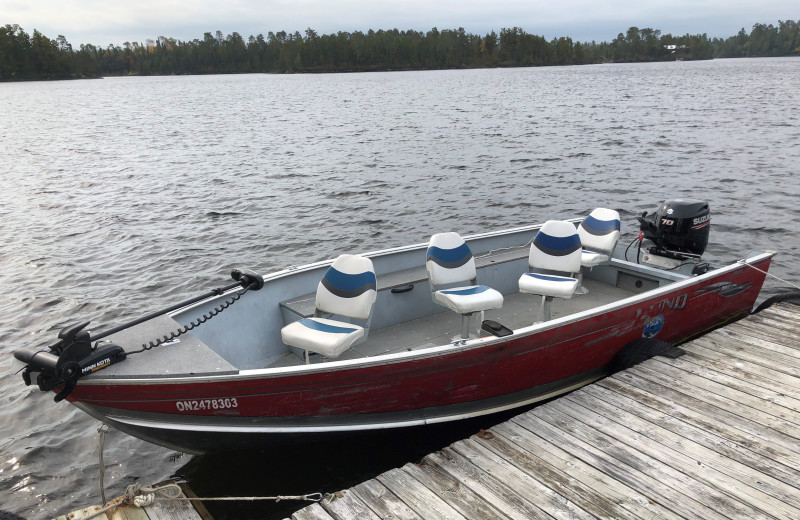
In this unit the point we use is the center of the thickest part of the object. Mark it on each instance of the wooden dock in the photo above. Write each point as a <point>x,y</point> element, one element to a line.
<point>714,434</point>
<point>170,504</point>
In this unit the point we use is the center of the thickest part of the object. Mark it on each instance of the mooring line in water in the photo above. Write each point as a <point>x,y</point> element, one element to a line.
<point>140,496</point>
<point>102,430</point>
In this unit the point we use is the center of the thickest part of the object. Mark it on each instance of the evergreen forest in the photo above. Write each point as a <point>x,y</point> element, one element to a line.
<point>33,57</point>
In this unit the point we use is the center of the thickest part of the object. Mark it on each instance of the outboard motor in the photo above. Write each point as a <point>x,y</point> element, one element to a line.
<point>678,231</point>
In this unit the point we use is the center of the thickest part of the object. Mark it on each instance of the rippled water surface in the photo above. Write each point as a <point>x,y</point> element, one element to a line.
<point>124,195</point>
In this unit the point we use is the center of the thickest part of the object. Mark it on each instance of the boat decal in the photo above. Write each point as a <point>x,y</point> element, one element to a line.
<point>653,327</point>
<point>726,289</point>
<point>94,367</point>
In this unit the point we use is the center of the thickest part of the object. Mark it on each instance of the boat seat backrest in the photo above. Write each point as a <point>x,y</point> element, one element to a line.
<point>348,287</point>
<point>599,231</point>
<point>556,247</point>
<point>449,259</point>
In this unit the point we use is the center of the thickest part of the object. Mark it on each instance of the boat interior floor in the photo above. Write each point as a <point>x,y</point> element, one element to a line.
<point>519,310</point>
<point>191,357</point>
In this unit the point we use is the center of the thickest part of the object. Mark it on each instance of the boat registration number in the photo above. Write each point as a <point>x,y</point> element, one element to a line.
<point>206,404</point>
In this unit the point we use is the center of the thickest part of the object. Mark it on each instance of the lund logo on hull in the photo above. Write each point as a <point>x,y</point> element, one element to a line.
<point>675,304</point>
<point>654,327</point>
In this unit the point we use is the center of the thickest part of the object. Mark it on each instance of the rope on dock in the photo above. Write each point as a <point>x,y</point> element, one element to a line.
<point>140,496</point>
<point>136,492</point>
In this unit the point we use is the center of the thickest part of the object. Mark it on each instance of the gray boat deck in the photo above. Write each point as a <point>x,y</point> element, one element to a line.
<point>714,434</point>
<point>519,310</point>
<point>189,356</point>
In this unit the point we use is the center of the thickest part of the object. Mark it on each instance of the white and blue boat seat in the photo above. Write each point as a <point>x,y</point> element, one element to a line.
<point>599,233</point>
<point>450,263</point>
<point>347,290</point>
<point>555,256</point>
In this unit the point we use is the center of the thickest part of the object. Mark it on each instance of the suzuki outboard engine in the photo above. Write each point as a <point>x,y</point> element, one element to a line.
<point>678,230</point>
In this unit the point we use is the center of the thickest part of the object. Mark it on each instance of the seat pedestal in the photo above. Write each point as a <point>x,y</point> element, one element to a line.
<point>545,311</point>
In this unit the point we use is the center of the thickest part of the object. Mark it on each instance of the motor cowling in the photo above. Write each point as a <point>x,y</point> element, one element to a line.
<point>679,229</point>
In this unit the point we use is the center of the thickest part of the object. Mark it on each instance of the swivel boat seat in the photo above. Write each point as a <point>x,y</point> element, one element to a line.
<point>347,290</point>
<point>556,248</point>
<point>450,263</point>
<point>599,233</point>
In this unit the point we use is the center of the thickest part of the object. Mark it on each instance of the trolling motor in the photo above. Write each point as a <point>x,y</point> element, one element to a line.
<point>70,358</point>
<point>73,355</point>
<point>678,232</point>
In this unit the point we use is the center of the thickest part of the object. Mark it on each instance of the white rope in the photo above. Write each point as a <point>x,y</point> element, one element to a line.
<point>144,500</point>
<point>135,491</point>
<point>102,430</point>
<point>140,496</point>
<point>744,262</point>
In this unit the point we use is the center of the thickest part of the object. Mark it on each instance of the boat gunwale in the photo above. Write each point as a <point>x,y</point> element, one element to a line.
<point>435,351</point>
<point>293,270</point>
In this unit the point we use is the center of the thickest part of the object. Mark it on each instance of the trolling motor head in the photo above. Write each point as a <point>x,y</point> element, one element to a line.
<point>67,360</point>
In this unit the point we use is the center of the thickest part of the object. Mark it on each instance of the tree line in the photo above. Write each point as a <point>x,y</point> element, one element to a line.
<point>24,57</point>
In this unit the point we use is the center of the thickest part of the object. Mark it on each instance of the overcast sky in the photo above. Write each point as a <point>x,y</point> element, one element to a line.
<point>114,22</point>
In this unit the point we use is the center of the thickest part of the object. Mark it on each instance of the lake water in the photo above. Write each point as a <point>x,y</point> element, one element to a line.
<point>123,195</point>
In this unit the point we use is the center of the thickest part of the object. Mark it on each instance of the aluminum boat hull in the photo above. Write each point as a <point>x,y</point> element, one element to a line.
<point>274,406</point>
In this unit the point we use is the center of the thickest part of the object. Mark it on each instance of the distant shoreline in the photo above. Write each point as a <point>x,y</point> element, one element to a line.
<point>37,58</point>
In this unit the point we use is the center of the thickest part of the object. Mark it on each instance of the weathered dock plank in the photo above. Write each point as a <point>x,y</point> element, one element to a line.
<point>385,503</point>
<point>736,447</point>
<point>312,512</point>
<point>714,434</point>
<point>423,501</point>
<point>128,513</point>
<point>349,505</point>
<point>745,392</point>
<point>754,357</point>
<point>628,473</point>
<point>684,454</point>
<point>455,492</point>
<point>576,483</point>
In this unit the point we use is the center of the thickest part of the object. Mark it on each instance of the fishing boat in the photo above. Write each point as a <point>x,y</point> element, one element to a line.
<point>444,330</point>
